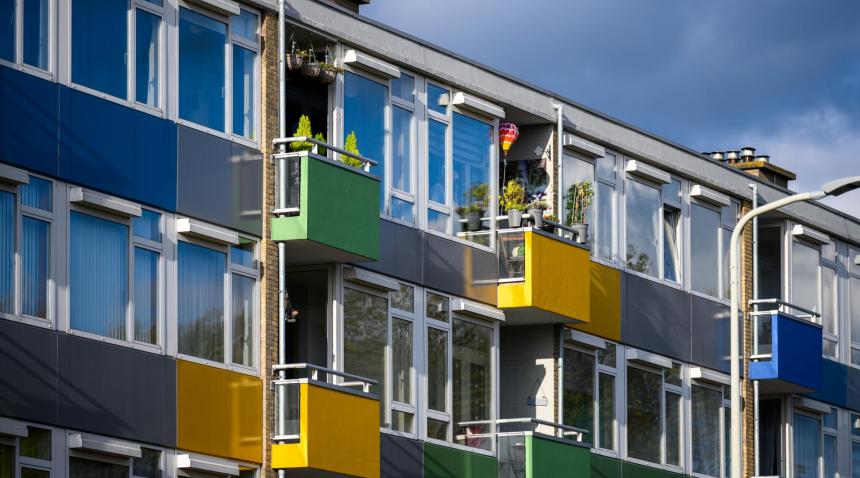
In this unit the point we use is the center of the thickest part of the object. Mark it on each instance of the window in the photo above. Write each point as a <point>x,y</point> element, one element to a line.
<point>365,332</point>
<point>829,308</point>
<point>654,410</point>
<point>364,103</point>
<point>33,33</point>
<point>87,464</point>
<point>588,393</point>
<point>202,83</point>
<point>402,205</point>
<point>705,247</point>
<point>854,305</point>
<point>831,436</point>
<point>807,445</point>
<point>437,317</point>
<point>805,262</point>
<point>217,289</point>
<point>27,457</point>
<point>472,381</point>
<point>576,170</point>
<point>855,445</point>
<point>672,231</point>
<point>643,228</point>
<point>245,47</point>
<point>403,359</point>
<point>604,203</point>
<point>25,228</point>
<point>707,406</point>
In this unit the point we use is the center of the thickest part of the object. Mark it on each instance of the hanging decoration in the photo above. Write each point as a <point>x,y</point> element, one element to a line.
<point>508,134</point>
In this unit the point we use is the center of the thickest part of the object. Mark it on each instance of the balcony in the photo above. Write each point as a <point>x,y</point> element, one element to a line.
<point>543,277</point>
<point>787,353</point>
<point>541,448</point>
<point>324,428</point>
<point>328,211</point>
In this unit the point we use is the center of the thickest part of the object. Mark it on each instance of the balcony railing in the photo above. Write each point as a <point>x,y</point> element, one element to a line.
<point>512,249</point>
<point>529,448</point>
<point>762,318</point>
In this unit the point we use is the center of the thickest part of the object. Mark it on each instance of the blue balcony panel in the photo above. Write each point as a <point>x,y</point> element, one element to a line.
<point>29,119</point>
<point>796,362</point>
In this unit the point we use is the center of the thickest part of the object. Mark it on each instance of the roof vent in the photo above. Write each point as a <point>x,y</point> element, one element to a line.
<point>759,165</point>
<point>733,156</point>
<point>747,154</point>
<point>718,156</point>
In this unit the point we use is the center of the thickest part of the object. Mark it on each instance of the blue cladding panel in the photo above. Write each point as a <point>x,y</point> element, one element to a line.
<point>28,121</point>
<point>834,381</point>
<point>796,354</point>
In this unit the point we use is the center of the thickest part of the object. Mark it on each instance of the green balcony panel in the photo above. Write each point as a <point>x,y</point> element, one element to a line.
<point>548,457</point>
<point>338,217</point>
<point>604,467</point>
<point>448,462</point>
<point>644,471</point>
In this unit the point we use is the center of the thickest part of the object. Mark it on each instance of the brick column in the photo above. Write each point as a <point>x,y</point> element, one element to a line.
<point>746,253</point>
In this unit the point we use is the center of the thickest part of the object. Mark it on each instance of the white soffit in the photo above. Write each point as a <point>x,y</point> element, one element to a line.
<point>13,428</point>
<point>370,279</point>
<point>209,232</point>
<point>110,446</point>
<point>583,146</point>
<point>809,234</point>
<point>11,174</point>
<point>477,105</point>
<point>704,375</point>
<point>704,194</point>
<point>370,64</point>
<point>648,172</point>
<point>104,202</point>
<point>227,7</point>
<point>206,464</point>
<point>586,339</point>
<point>475,309</point>
<point>642,356</point>
<point>813,405</point>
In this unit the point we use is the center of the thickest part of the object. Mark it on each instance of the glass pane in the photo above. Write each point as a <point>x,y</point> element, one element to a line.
<point>437,369</point>
<point>437,98</point>
<point>403,87</point>
<point>244,25</point>
<point>37,32</point>
<point>804,275</point>
<point>830,348</point>
<point>828,300</point>
<point>830,457</point>
<point>831,420</point>
<point>402,149</point>
<point>365,335</point>
<point>146,295</point>
<point>34,473</point>
<point>643,414</point>
<point>437,429</point>
<point>437,221</point>
<point>243,254</point>
<point>37,444</point>
<point>83,468</point>
<point>402,210</point>
<point>706,404</point>
<point>643,227</point>
<point>401,360</point>
<point>472,346</point>
<point>605,227</point>
<point>146,57</point>
<point>98,279</point>
<point>437,307</point>
<point>148,465</point>
<point>201,69</point>
<point>578,390</point>
<point>855,460</point>
<point>606,167</point>
<point>404,298</point>
<point>247,473</point>
<point>606,356</point>
<point>7,252</point>
<point>672,192</point>
<point>7,30</point>
<point>147,225</point>
<point>437,145</point>
<point>575,170</point>
<point>243,91</point>
<point>705,238</point>
<point>855,425</point>
<point>855,309</point>
<point>37,194</point>
<point>7,461</point>
<point>606,412</point>
<point>402,421</point>
<point>35,266</point>
<point>472,141</point>
<point>726,266</point>
<point>671,247</point>
<point>364,103</point>
<point>673,375</point>
<point>807,446</point>
<point>770,262</point>
<point>99,33</point>
<point>673,429</point>
<point>243,320</point>
<point>201,274</point>
<point>730,215</point>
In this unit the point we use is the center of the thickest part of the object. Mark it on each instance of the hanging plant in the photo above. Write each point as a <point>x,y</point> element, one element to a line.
<point>328,70</point>
<point>296,57</point>
<point>311,67</point>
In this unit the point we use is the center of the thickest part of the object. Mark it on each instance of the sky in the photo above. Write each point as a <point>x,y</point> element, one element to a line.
<point>782,76</point>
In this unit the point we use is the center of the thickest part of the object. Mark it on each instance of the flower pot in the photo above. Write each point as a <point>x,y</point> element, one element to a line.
<point>294,61</point>
<point>327,76</point>
<point>581,231</point>
<point>537,217</point>
<point>311,70</point>
<point>473,221</point>
<point>515,218</point>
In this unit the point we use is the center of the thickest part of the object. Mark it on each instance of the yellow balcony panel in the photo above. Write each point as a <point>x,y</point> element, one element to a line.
<point>605,303</point>
<point>334,430</point>
<point>543,278</point>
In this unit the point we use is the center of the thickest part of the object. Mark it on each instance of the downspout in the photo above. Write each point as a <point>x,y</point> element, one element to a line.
<point>755,296</point>
<point>559,132</point>
<point>282,203</point>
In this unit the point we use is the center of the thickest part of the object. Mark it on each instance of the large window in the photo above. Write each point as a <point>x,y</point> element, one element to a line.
<point>27,457</point>
<point>642,204</point>
<point>654,411</point>
<point>605,207</point>
<point>364,104</point>
<point>403,195</point>
<point>708,429</point>
<point>705,249</point>
<point>672,231</point>
<point>588,393</point>
<point>245,46</point>
<point>805,262</point>
<point>807,440</point>
<point>854,306</point>
<point>202,81</point>
<point>27,42</point>
<point>472,382</point>
<point>365,332</point>
<point>576,170</point>
<point>831,438</point>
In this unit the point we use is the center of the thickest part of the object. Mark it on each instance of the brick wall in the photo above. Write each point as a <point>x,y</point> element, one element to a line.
<point>748,416</point>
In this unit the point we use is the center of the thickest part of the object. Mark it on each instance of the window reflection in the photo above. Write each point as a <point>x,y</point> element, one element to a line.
<point>472,141</point>
<point>643,223</point>
<point>705,240</point>
<point>201,69</point>
<point>364,103</point>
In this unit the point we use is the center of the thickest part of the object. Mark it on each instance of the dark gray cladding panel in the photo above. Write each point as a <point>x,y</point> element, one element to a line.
<point>399,248</point>
<point>459,269</point>
<point>117,391</point>
<point>219,181</point>
<point>656,317</point>
<point>28,372</point>
<point>400,457</point>
<point>710,333</point>
<point>853,389</point>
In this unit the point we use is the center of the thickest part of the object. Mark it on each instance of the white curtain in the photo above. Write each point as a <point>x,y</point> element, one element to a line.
<point>201,301</point>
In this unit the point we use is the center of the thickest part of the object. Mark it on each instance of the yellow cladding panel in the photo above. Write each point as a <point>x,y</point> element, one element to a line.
<point>219,412</point>
<point>558,275</point>
<point>605,303</point>
<point>339,433</point>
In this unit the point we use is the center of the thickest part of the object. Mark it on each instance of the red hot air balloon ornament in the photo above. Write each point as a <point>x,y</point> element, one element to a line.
<point>508,134</point>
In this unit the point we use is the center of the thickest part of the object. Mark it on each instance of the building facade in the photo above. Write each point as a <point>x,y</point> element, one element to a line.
<point>187,290</point>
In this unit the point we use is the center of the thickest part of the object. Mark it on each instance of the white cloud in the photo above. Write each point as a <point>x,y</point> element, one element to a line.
<point>818,145</point>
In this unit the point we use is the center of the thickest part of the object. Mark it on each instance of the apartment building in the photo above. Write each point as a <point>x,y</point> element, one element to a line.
<point>188,289</point>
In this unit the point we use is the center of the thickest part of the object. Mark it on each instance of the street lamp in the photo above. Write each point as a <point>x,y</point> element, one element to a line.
<point>832,188</point>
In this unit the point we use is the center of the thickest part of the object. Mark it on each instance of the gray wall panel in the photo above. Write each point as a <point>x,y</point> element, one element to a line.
<point>656,317</point>
<point>399,248</point>
<point>28,372</point>
<point>710,334</point>
<point>219,181</point>
<point>460,269</point>
<point>401,457</point>
<point>117,391</point>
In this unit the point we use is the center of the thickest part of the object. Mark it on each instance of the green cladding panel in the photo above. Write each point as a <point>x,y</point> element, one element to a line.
<point>339,215</point>
<point>642,471</point>
<point>604,467</point>
<point>546,458</point>
<point>447,462</point>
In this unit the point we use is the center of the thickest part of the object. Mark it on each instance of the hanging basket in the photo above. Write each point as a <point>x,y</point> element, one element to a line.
<point>311,70</point>
<point>295,61</point>
<point>327,76</point>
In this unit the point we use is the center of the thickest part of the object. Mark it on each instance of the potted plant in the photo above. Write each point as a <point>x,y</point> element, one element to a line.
<point>295,58</point>
<point>536,208</point>
<point>579,197</point>
<point>311,67</point>
<point>351,145</point>
<point>303,130</point>
<point>328,73</point>
<point>547,226</point>
<point>478,202</point>
<point>513,201</point>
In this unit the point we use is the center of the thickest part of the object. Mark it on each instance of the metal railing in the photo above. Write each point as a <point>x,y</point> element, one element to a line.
<point>762,327</point>
<point>512,452</point>
<point>559,430</point>
<point>511,246</point>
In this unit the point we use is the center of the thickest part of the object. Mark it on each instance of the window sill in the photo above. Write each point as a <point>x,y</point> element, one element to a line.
<point>606,262</point>
<point>462,241</point>
<point>30,70</point>
<point>24,319</point>
<point>396,433</point>
<point>154,349</point>
<point>672,468</point>
<point>231,367</point>
<point>710,297</point>
<point>456,446</point>
<point>220,134</point>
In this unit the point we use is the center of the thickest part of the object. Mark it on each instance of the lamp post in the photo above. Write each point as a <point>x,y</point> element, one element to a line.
<point>832,188</point>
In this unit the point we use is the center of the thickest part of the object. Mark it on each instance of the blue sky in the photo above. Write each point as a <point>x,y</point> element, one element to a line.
<point>782,76</point>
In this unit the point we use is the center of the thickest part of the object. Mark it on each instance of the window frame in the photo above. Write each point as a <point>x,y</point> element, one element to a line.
<point>725,409</point>
<point>724,234</point>
<point>254,46</point>
<point>391,192</point>
<point>113,459</point>
<point>789,283</point>
<point>815,416</point>
<point>681,232</point>
<point>58,447</point>
<point>17,62</point>
<point>852,315</point>
<point>659,246</point>
<point>614,259</point>
<point>599,369</point>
